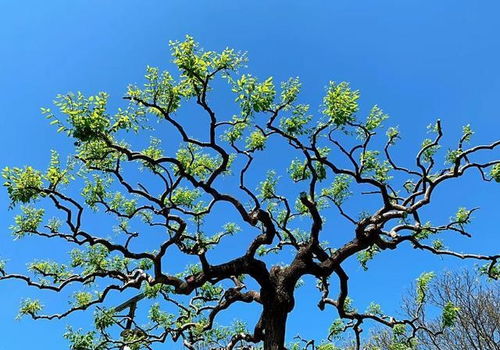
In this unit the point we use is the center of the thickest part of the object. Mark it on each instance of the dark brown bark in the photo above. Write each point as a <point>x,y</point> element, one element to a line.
<point>277,302</point>
<point>275,328</point>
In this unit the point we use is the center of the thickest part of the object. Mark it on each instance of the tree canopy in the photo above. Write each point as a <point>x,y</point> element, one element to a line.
<point>156,186</point>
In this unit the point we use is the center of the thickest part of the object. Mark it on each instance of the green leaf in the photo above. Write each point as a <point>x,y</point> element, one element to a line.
<point>450,314</point>
<point>340,103</point>
<point>423,285</point>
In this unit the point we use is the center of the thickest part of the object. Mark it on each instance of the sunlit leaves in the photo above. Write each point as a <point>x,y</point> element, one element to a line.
<point>103,318</point>
<point>450,314</point>
<point>82,299</point>
<point>28,221</point>
<point>23,184</point>
<point>374,309</point>
<point>340,103</point>
<point>160,89</point>
<point>87,117</point>
<point>95,191</point>
<point>428,150</point>
<point>495,172</point>
<point>194,162</point>
<point>339,191</point>
<point>372,166</point>
<point>463,216</point>
<point>160,317</point>
<point>375,118</point>
<point>92,259</point>
<point>336,328</point>
<point>296,124</point>
<point>289,90</point>
<point>298,170</point>
<point>366,255</point>
<point>252,95</point>
<point>235,132</point>
<point>153,151</point>
<point>120,204</point>
<point>185,197</point>
<point>29,307</point>
<point>45,268</point>
<point>467,133</point>
<point>196,63</point>
<point>55,174</point>
<point>268,186</point>
<point>256,141</point>
<point>79,340</point>
<point>423,286</point>
<point>437,244</point>
<point>392,134</point>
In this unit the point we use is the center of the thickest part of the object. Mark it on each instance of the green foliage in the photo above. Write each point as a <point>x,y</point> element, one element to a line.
<point>392,134</point>
<point>399,329</point>
<point>326,346</point>
<point>495,172</point>
<point>437,244</point>
<point>197,64</point>
<point>298,170</point>
<point>95,191</point>
<point>452,155</point>
<point>57,272</point>
<point>372,166</point>
<point>290,90</point>
<point>268,186</point>
<point>159,317</point>
<point>160,88</point>
<point>340,103</point>
<point>235,132</point>
<point>29,307</point>
<point>96,154</point>
<point>467,133</point>
<point>450,314</point>
<point>23,185</point>
<point>104,318</point>
<point>423,285</point>
<point>153,151</point>
<point>27,222</point>
<point>429,150</point>
<point>153,291</point>
<point>374,309</point>
<point>375,118</point>
<point>256,141</point>
<point>366,255</point>
<point>55,175</point>
<point>87,116</point>
<point>185,197</point>
<point>463,216</point>
<point>492,271</point>
<point>424,232</point>
<point>296,124</point>
<point>81,341</point>
<point>82,299</point>
<point>93,259</point>
<point>339,191</point>
<point>252,95</point>
<point>122,205</point>
<point>196,163</point>
<point>336,328</point>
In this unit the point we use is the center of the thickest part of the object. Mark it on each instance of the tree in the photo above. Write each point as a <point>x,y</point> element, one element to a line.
<point>165,212</point>
<point>471,319</point>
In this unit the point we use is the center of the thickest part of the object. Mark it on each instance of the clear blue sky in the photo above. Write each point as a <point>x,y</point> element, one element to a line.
<point>418,60</point>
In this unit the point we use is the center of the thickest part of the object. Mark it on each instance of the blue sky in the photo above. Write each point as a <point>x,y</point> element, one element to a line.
<point>418,60</point>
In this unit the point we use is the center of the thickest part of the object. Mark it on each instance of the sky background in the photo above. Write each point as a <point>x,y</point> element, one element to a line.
<point>418,60</point>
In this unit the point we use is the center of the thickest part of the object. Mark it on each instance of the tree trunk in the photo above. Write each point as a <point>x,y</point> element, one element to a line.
<point>274,328</point>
